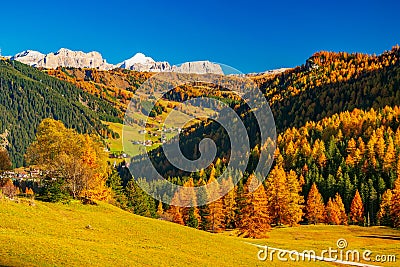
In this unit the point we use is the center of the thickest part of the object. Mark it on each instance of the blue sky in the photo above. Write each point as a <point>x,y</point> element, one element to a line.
<point>250,36</point>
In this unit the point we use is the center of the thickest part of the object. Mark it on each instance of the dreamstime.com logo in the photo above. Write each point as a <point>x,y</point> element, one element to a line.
<point>155,89</point>
<point>340,254</point>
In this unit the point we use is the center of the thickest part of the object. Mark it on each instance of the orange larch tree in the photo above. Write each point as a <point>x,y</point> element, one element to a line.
<point>229,202</point>
<point>255,220</point>
<point>340,207</point>
<point>357,209</point>
<point>315,208</point>
<point>215,208</point>
<point>395,203</point>
<point>284,201</point>
<point>332,213</point>
<point>384,214</point>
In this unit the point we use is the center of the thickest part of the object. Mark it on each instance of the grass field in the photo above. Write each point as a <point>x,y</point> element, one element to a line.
<point>57,235</point>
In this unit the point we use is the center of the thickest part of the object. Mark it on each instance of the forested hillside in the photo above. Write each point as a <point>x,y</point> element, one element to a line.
<point>330,83</point>
<point>115,86</point>
<point>338,123</point>
<point>29,95</point>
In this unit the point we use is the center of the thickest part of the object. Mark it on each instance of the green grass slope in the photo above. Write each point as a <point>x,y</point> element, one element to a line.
<point>56,235</point>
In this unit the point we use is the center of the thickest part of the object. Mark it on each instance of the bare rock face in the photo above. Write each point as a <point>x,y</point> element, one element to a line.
<point>198,67</point>
<point>64,58</point>
<point>29,57</point>
<point>140,62</point>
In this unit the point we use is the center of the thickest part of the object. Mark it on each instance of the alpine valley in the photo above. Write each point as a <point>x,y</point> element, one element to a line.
<point>68,198</point>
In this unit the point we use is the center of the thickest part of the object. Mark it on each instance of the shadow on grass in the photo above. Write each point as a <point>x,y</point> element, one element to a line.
<point>387,237</point>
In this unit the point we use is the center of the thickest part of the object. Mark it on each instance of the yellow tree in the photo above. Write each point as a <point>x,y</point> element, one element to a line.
<point>332,213</point>
<point>255,220</point>
<point>380,147</point>
<point>357,209</point>
<point>390,155</point>
<point>284,201</point>
<point>187,200</point>
<point>318,152</point>
<point>315,208</point>
<point>371,149</point>
<point>229,202</point>
<point>351,148</point>
<point>384,214</point>
<point>395,203</point>
<point>295,206</point>
<point>277,194</point>
<point>94,161</point>
<point>176,215</point>
<point>340,207</point>
<point>160,210</point>
<point>215,208</point>
<point>78,160</point>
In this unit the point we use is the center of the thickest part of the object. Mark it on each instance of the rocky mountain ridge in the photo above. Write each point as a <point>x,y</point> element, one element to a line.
<point>139,62</point>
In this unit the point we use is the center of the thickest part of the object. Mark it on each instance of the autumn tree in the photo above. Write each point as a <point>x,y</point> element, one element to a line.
<point>296,201</point>
<point>160,210</point>
<point>176,215</point>
<point>395,203</point>
<point>255,220</point>
<point>215,208</point>
<point>75,160</point>
<point>332,213</point>
<point>357,209</point>
<point>5,162</point>
<point>315,208</point>
<point>229,203</point>
<point>384,214</point>
<point>8,189</point>
<point>340,207</point>
<point>390,155</point>
<point>185,210</point>
<point>284,201</point>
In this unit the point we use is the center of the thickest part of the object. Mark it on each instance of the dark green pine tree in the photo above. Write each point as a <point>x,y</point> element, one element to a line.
<point>139,202</point>
<point>192,220</point>
<point>203,209</point>
<point>114,182</point>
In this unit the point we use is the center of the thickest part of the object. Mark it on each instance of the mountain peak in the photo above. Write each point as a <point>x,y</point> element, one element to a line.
<point>141,58</point>
<point>138,59</point>
<point>63,50</point>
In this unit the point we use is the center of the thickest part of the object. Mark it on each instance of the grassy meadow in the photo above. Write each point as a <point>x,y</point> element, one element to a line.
<point>48,234</point>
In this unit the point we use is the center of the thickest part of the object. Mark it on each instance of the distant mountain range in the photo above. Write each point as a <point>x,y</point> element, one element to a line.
<point>139,62</point>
